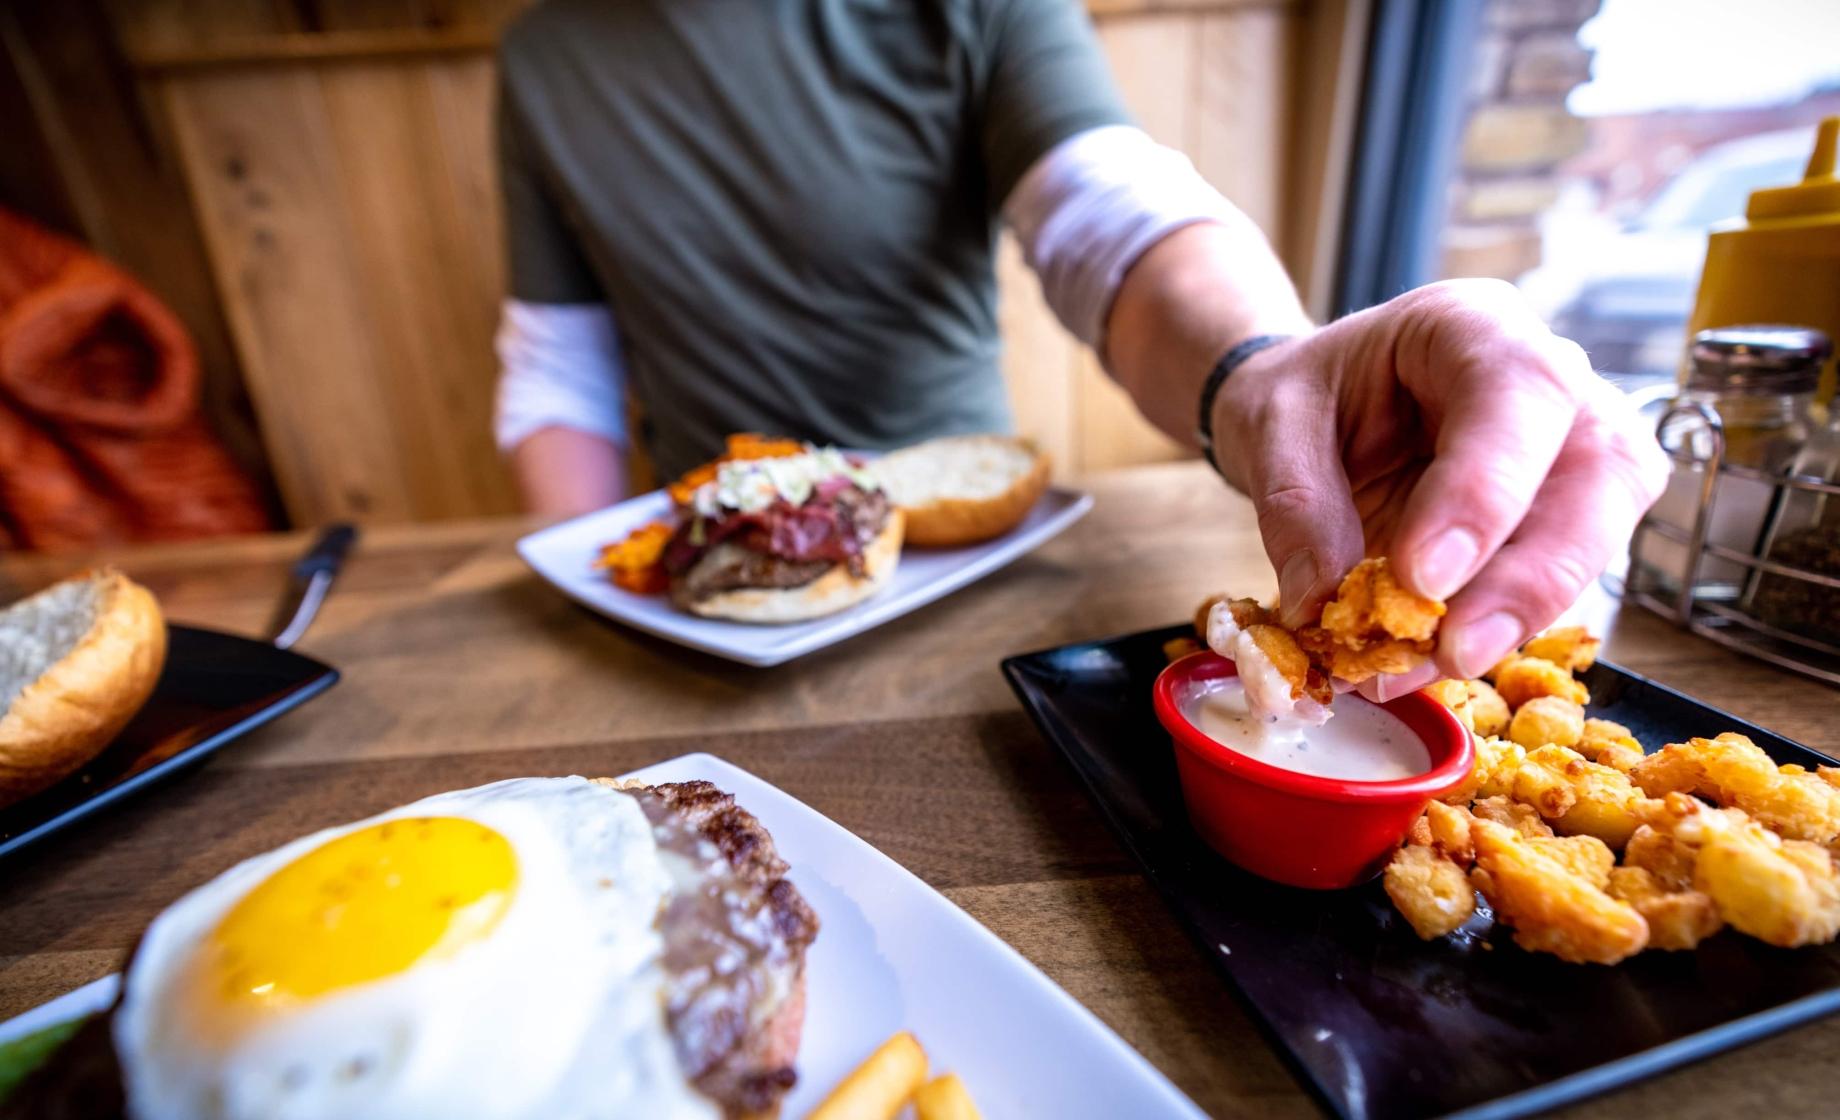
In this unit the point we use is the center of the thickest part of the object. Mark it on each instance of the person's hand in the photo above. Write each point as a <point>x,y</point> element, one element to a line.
<point>1452,431</point>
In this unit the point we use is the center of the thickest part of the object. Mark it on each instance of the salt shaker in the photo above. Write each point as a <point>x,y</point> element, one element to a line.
<point>1760,381</point>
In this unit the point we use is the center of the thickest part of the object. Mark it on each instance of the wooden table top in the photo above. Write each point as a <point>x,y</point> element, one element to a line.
<point>461,667</point>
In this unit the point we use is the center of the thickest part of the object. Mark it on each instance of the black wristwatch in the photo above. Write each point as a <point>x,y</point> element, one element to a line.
<point>1230,361</point>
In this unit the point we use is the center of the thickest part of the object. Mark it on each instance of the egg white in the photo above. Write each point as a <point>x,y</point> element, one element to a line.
<point>558,1012</point>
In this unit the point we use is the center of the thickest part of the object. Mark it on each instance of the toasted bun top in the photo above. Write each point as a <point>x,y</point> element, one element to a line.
<point>963,468</point>
<point>959,490</point>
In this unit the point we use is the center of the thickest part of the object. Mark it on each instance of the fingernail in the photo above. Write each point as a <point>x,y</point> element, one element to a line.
<point>1445,562</point>
<point>1294,583</point>
<point>1484,642</point>
<point>1392,686</point>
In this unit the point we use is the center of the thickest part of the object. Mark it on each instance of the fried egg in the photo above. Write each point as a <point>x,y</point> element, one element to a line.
<point>485,953</point>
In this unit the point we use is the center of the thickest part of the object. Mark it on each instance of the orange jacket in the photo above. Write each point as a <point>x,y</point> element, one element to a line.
<point>101,440</point>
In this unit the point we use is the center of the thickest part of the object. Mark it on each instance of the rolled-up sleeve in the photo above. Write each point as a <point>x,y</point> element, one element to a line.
<point>559,368</point>
<point>1092,206</point>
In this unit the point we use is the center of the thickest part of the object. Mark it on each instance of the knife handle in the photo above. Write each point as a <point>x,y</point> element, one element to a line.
<point>310,580</point>
<point>328,551</point>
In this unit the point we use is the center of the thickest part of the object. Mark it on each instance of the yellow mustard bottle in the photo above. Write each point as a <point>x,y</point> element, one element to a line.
<point>1780,263</point>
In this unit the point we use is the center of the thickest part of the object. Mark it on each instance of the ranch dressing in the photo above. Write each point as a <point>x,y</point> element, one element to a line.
<point>1363,743</point>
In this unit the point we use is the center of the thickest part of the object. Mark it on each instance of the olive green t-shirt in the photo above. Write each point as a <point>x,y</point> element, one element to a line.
<point>789,205</point>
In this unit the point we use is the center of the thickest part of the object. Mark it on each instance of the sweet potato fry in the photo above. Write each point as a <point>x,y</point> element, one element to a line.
<point>636,563</point>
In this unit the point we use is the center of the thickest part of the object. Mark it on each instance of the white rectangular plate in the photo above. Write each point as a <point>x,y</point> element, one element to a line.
<point>893,954</point>
<point>564,555</point>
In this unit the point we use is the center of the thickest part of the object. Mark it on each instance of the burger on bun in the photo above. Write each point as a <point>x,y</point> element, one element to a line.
<point>781,532</point>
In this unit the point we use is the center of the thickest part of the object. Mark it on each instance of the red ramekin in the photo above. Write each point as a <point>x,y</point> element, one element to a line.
<point>1300,829</point>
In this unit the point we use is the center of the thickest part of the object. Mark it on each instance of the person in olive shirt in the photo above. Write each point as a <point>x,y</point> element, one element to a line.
<point>781,216</point>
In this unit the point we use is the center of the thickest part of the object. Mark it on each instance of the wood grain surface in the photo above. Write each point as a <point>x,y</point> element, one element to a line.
<point>461,667</point>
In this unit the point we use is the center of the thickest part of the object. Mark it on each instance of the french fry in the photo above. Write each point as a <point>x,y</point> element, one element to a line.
<point>878,1088</point>
<point>945,1098</point>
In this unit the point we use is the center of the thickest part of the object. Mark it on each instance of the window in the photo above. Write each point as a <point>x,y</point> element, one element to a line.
<point>1581,149</point>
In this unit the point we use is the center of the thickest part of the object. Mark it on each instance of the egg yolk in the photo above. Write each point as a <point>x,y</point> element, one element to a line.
<point>363,906</point>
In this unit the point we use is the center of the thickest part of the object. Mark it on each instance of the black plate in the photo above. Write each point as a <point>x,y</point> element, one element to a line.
<point>214,688</point>
<point>1373,1021</point>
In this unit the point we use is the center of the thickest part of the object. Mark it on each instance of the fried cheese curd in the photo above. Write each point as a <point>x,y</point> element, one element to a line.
<point>1570,647</point>
<point>1476,704</point>
<point>1783,892</point>
<point>1497,760</point>
<point>1428,879</point>
<point>1677,919</point>
<point>1429,890</point>
<point>1517,815</point>
<point>1226,618</point>
<point>1547,719</point>
<point>1711,832</point>
<point>1521,679</point>
<point>1731,770</point>
<point>1577,796</point>
<point>1610,743</point>
<point>1372,626</point>
<point>1550,891</point>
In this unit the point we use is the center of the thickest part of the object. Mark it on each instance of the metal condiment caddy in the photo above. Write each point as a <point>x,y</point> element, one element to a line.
<point>1718,610</point>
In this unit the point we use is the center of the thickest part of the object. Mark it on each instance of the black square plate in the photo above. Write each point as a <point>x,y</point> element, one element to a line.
<point>1373,1021</point>
<point>214,688</point>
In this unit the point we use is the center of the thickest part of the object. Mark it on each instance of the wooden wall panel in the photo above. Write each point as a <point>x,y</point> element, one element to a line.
<point>267,178</point>
<point>1154,61</point>
<point>339,156</point>
<point>1039,360</point>
<point>1241,126</point>
<point>352,219</point>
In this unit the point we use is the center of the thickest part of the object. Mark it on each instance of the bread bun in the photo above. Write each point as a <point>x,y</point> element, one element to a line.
<point>831,592</point>
<point>960,490</point>
<point>77,660</point>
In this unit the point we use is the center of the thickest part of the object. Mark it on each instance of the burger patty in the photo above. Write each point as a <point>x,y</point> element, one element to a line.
<point>730,566</point>
<point>744,555</point>
<point>734,947</point>
<point>735,933</point>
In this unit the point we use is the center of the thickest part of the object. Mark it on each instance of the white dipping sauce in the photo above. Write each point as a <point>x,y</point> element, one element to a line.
<point>1363,743</point>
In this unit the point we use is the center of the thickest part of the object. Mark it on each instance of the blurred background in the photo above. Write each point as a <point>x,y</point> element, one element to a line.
<point>285,211</point>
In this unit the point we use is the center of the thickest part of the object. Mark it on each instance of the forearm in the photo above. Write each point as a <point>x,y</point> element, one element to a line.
<point>1183,304</point>
<point>562,472</point>
<point>560,417</point>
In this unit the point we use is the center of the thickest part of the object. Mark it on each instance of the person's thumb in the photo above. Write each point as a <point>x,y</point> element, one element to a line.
<point>1289,462</point>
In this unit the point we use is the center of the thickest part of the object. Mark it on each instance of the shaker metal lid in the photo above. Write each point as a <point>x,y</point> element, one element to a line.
<point>1758,358</point>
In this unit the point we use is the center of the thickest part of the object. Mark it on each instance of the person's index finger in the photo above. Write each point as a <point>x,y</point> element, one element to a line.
<point>1582,516</point>
<point>1499,435</point>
